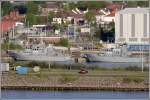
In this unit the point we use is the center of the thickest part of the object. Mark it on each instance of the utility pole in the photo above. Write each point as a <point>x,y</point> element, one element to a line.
<point>142,58</point>
<point>149,47</point>
<point>0,47</point>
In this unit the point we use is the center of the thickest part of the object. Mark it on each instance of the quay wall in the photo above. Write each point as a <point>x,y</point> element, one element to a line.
<point>72,88</point>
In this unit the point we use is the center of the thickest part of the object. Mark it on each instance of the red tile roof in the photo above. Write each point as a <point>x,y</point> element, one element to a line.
<point>114,6</point>
<point>7,25</point>
<point>14,15</point>
<point>52,5</point>
<point>76,15</point>
<point>111,14</point>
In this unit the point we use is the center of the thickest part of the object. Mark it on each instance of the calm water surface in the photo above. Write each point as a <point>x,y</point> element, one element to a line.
<point>26,94</point>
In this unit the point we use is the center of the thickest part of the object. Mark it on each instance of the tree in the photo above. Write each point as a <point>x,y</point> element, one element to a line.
<point>21,8</point>
<point>64,25</point>
<point>137,3</point>
<point>11,46</point>
<point>98,32</point>
<point>63,42</point>
<point>93,4</point>
<point>143,3</point>
<point>6,7</point>
<point>72,5</point>
<point>30,19</point>
<point>90,17</point>
<point>41,19</point>
<point>51,15</point>
<point>56,26</point>
<point>66,7</point>
<point>32,7</point>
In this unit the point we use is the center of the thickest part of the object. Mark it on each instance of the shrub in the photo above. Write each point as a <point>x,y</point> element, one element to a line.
<point>133,68</point>
<point>97,68</point>
<point>41,64</point>
<point>63,42</point>
<point>118,68</point>
<point>67,66</point>
<point>65,78</point>
<point>11,46</point>
<point>133,79</point>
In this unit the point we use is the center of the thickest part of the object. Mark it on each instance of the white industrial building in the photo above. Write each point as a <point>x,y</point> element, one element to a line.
<point>132,26</point>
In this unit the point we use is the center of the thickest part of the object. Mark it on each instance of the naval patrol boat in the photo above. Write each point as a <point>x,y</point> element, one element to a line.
<point>41,52</point>
<point>118,55</point>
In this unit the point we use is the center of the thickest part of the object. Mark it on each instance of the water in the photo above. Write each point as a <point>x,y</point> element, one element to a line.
<point>26,94</point>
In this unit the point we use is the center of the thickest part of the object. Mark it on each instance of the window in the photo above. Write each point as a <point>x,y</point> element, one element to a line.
<point>145,25</point>
<point>133,39</point>
<point>133,26</point>
<point>121,25</point>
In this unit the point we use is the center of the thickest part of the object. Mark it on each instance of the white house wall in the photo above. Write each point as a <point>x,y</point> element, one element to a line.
<point>109,19</point>
<point>131,34</point>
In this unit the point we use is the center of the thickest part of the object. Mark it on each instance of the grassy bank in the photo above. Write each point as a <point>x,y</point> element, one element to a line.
<point>70,79</point>
<point>58,76</point>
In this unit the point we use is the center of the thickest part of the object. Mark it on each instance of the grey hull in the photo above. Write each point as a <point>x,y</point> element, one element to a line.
<point>97,58</point>
<point>27,57</point>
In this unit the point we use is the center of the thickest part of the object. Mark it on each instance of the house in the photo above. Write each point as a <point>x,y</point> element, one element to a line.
<point>61,17</point>
<point>106,17</point>
<point>6,27</point>
<point>101,14</point>
<point>57,20</point>
<point>85,30</point>
<point>78,18</point>
<point>50,7</point>
<point>132,26</point>
<point>14,16</point>
<point>105,11</point>
<point>110,17</point>
<point>45,39</point>
<point>75,16</point>
<point>71,30</point>
<point>107,14</point>
<point>4,67</point>
<point>115,7</point>
<point>11,21</point>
